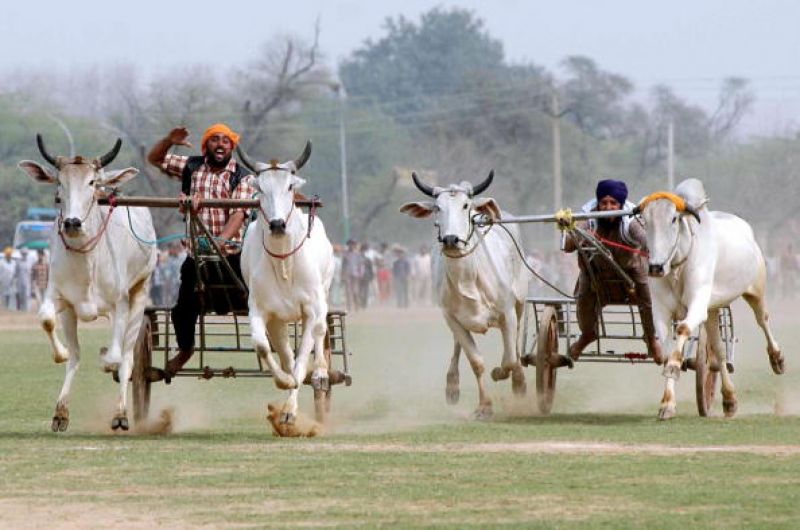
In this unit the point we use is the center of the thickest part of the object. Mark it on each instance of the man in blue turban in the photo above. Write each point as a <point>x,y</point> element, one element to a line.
<point>626,241</point>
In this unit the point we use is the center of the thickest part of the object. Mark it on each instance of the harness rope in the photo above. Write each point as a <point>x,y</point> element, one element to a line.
<point>91,244</point>
<point>621,246</point>
<point>311,214</point>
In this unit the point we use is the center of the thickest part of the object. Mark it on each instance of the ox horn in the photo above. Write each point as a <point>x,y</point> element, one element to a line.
<point>424,188</point>
<point>111,155</point>
<point>691,211</point>
<point>300,162</point>
<point>246,160</point>
<point>47,156</point>
<point>480,188</point>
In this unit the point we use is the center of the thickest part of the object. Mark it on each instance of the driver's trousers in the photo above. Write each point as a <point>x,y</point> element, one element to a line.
<point>589,304</point>
<point>190,304</point>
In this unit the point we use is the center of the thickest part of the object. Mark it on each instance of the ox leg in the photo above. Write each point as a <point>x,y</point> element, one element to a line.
<point>452,391</point>
<point>319,377</point>
<point>696,314</point>
<point>510,363</point>
<point>258,335</point>
<point>715,340</point>
<point>464,338</point>
<point>313,338</point>
<point>128,340</point>
<point>672,371</point>
<point>279,339</point>
<point>759,306</point>
<point>47,317</point>
<point>69,323</point>
<point>111,358</point>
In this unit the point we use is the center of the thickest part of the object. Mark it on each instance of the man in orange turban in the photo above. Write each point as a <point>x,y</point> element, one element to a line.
<point>214,175</point>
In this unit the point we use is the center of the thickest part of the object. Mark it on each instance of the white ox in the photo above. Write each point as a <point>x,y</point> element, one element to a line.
<point>701,261</point>
<point>479,279</point>
<point>97,268</point>
<point>287,264</point>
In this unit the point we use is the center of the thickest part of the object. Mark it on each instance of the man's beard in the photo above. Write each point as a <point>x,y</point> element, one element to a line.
<point>609,223</point>
<point>212,161</point>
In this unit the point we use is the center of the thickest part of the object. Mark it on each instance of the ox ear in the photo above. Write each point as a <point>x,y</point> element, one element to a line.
<point>112,179</point>
<point>488,206</point>
<point>420,210</point>
<point>37,172</point>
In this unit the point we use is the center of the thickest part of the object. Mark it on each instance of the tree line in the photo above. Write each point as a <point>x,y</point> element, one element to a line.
<point>436,95</point>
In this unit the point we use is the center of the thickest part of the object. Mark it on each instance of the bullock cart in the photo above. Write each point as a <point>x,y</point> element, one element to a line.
<point>550,325</point>
<point>222,340</point>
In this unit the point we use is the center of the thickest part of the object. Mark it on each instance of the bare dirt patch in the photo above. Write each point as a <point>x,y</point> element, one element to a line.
<point>556,448</point>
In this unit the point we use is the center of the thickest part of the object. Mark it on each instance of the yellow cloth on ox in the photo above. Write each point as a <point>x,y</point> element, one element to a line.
<point>218,128</point>
<point>678,201</point>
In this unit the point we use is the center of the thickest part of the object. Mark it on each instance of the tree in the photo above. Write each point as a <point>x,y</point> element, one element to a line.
<point>595,98</point>
<point>735,100</point>
<point>435,57</point>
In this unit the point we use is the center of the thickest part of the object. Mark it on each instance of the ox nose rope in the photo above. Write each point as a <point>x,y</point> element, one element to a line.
<point>465,241</point>
<point>89,245</point>
<point>311,214</point>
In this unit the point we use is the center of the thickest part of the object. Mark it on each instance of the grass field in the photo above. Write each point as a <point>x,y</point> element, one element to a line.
<point>396,455</point>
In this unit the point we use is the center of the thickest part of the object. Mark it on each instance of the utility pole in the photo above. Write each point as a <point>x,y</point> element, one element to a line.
<point>339,89</point>
<point>670,154</point>
<point>555,121</point>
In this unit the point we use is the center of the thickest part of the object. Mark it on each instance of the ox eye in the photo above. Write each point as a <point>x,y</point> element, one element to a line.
<point>91,182</point>
<point>291,187</point>
<point>465,206</point>
<point>674,219</point>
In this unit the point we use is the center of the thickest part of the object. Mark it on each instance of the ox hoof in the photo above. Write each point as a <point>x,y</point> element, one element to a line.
<point>560,361</point>
<point>60,356</point>
<point>518,386</point>
<point>60,423</point>
<point>287,418</point>
<point>120,422</point>
<point>483,413</point>
<point>453,395</point>
<point>528,360</point>
<point>499,373</point>
<point>666,413</point>
<point>320,384</point>
<point>776,363</point>
<point>729,407</point>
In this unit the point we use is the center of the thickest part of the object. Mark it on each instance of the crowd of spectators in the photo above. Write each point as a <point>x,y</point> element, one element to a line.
<point>23,278</point>
<point>365,276</point>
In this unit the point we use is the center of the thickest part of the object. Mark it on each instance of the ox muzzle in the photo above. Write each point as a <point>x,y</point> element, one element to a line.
<point>656,270</point>
<point>277,227</point>
<point>72,226</point>
<point>450,241</point>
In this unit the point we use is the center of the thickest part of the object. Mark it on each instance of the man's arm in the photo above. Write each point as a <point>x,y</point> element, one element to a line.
<point>177,136</point>
<point>638,234</point>
<point>232,227</point>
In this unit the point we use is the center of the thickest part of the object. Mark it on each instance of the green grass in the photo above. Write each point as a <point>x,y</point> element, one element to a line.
<point>397,455</point>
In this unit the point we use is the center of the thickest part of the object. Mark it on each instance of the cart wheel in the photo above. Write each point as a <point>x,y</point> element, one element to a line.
<point>142,362</point>
<point>705,379</point>
<point>546,347</point>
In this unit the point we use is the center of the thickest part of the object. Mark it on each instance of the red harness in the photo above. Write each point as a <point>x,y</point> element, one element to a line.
<point>311,214</point>
<point>621,246</point>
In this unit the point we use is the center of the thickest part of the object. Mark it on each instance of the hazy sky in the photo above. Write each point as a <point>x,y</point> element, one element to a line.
<point>688,44</point>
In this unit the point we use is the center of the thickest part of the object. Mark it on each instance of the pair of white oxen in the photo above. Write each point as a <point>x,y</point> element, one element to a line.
<point>699,262</point>
<point>99,267</point>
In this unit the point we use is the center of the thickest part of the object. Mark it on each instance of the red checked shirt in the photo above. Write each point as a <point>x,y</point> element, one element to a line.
<point>210,185</point>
